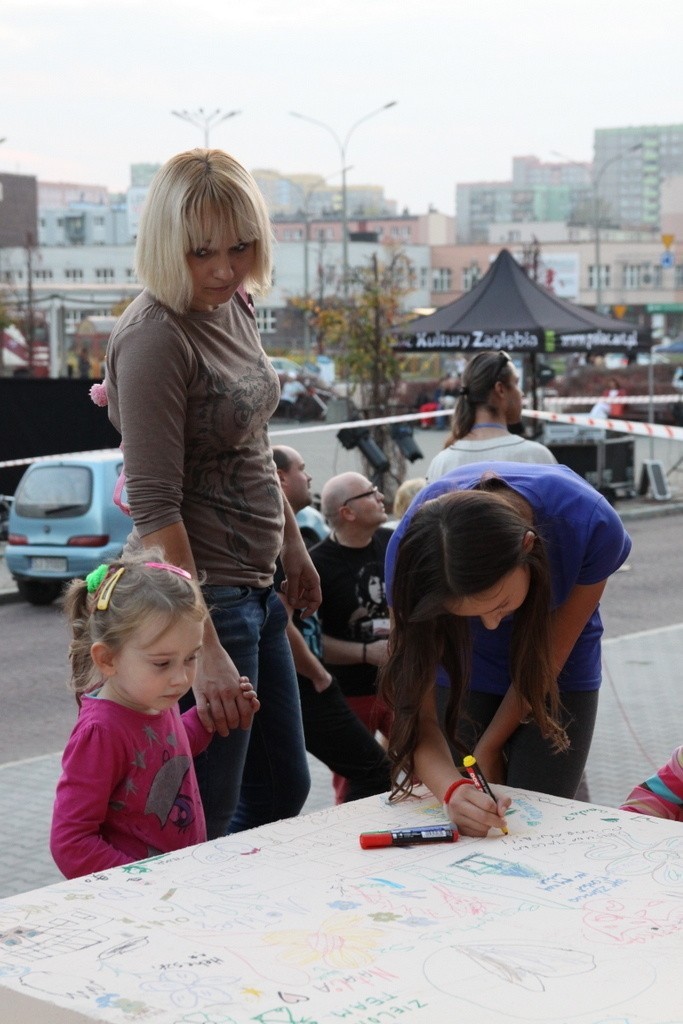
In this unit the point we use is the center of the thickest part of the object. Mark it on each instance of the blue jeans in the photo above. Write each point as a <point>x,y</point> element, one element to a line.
<point>255,776</point>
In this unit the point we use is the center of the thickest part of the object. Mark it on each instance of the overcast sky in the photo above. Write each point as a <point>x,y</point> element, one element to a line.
<point>87,86</point>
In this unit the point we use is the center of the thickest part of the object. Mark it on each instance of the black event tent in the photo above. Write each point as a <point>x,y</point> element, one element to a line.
<point>507,310</point>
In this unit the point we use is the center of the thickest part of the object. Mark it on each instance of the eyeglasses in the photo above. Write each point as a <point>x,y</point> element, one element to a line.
<point>374,491</point>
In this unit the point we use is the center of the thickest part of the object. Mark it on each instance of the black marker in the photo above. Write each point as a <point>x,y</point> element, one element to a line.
<point>409,836</point>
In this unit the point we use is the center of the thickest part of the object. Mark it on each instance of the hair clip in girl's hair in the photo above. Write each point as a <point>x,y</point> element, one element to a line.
<point>107,590</point>
<point>170,568</point>
<point>94,579</point>
<point>463,392</point>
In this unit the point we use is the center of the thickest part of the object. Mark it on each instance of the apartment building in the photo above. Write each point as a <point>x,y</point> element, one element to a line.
<point>633,164</point>
<point>538,191</point>
<point>622,187</point>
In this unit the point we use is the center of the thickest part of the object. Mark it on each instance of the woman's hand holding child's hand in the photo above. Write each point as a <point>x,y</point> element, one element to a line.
<point>225,700</point>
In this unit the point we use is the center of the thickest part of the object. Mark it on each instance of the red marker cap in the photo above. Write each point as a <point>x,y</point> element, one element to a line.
<point>373,840</point>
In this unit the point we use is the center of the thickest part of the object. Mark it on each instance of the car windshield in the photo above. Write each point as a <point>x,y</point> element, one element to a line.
<point>54,491</point>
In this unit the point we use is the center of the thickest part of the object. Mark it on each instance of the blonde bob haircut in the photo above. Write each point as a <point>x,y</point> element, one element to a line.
<point>199,199</point>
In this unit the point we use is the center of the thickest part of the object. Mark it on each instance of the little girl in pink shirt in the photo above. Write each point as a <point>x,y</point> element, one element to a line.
<point>128,788</point>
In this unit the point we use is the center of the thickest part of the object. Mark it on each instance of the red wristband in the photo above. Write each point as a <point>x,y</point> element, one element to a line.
<point>453,786</point>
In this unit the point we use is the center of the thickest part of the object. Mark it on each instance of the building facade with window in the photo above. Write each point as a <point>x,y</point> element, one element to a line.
<point>431,228</point>
<point>85,224</point>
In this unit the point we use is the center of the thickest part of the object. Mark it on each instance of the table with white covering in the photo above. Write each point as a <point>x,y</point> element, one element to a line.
<point>575,916</point>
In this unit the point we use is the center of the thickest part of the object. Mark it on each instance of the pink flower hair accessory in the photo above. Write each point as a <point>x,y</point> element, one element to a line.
<point>98,394</point>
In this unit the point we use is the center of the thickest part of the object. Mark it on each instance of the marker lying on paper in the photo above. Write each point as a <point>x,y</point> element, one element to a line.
<point>470,765</point>
<point>409,836</point>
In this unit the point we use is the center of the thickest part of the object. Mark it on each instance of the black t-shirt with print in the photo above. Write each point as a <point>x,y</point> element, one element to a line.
<point>354,605</point>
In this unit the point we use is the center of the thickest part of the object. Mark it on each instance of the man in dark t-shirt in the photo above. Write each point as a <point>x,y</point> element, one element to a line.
<point>354,615</point>
<point>333,733</point>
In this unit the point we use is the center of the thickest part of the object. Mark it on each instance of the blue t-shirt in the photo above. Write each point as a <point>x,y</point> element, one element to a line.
<point>584,538</point>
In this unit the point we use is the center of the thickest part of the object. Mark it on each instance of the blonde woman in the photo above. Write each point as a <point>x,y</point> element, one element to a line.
<point>191,391</point>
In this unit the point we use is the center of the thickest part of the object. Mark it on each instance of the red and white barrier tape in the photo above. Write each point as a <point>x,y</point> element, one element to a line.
<point>617,400</point>
<point>619,426</point>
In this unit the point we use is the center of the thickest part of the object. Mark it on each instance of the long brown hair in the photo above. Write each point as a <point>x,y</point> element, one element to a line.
<point>479,378</point>
<point>456,546</point>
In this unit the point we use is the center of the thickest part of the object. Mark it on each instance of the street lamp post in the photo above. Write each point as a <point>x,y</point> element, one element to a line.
<point>597,178</point>
<point>306,194</point>
<point>342,146</point>
<point>306,198</point>
<point>200,119</point>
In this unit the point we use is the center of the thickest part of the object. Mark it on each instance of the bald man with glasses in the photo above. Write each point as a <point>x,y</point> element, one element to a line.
<point>354,614</point>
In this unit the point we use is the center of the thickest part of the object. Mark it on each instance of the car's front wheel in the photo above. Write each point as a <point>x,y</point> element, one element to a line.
<point>39,591</point>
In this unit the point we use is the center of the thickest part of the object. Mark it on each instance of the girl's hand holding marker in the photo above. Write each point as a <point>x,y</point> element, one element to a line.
<point>471,805</point>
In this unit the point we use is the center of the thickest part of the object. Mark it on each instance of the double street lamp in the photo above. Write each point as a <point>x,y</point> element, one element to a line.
<point>206,121</point>
<point>342,146</point>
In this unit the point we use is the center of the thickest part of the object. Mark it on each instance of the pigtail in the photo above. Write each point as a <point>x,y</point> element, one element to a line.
<point>77,606</point>
<point>480,376</point>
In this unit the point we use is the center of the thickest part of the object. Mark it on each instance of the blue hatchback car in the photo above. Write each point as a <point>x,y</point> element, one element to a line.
<point>63,522</point>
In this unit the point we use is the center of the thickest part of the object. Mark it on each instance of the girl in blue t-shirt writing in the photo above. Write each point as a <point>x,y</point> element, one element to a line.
<point>495,576</point>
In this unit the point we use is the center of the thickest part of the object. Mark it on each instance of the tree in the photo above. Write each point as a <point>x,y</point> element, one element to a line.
<point>359,330</point>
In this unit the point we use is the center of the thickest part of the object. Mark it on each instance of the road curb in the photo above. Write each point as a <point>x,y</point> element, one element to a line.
<point>654,511</point>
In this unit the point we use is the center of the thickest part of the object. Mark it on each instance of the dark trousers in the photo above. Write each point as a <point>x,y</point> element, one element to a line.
<point>338,738</point>
<point>531,762</point>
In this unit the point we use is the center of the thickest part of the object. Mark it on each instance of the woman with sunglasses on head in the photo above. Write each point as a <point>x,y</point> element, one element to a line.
<point>494,576</point>
<point>489,401</point>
